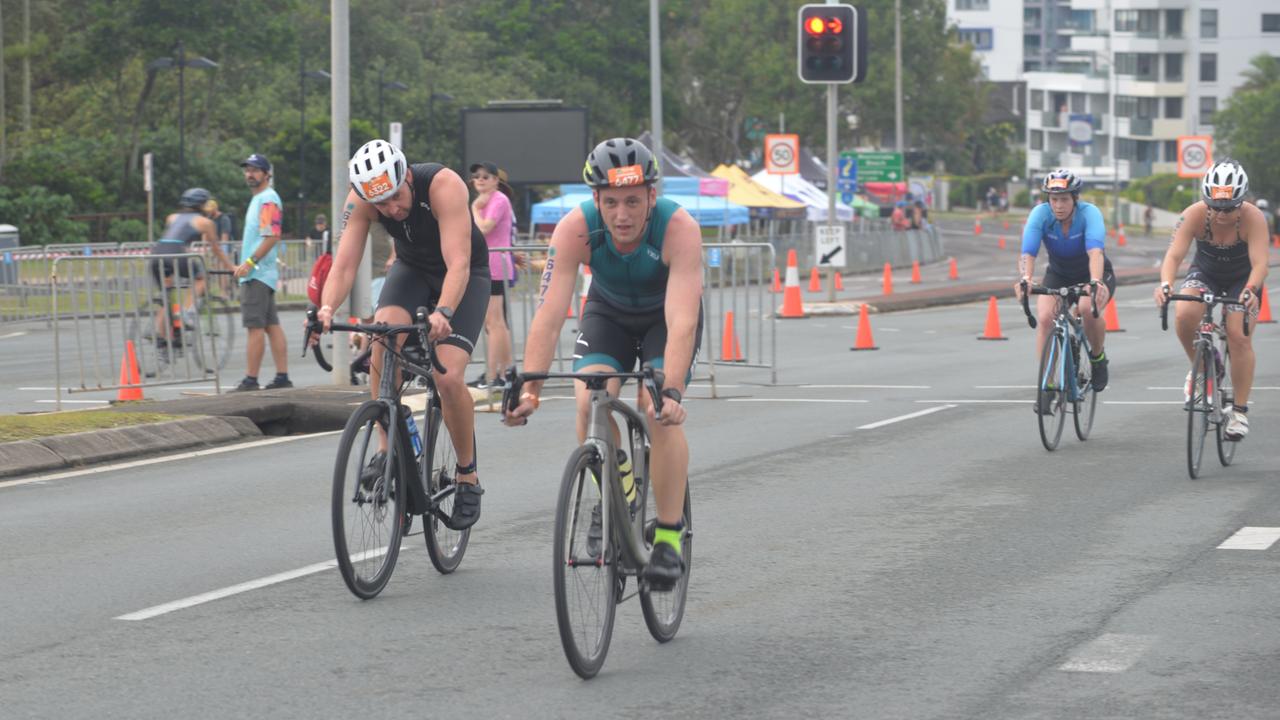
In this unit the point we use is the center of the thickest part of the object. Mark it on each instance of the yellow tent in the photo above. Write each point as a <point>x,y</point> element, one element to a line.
<point>745,191</point>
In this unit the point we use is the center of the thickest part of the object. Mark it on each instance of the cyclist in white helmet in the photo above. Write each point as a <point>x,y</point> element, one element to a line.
<point>1230,260</point>
<point>441,262</point>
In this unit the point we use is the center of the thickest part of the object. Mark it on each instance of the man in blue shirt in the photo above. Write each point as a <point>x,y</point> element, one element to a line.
<point>1073,233</point>
<point>258,275</point>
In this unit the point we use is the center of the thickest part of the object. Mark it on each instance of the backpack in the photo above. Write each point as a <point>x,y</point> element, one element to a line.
<point>319,274</point>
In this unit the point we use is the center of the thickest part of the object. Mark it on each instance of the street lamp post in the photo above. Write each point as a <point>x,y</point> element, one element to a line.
<point>303,76</point>
<point>431,115</point>
<point>384,84</point>
<point>181,63</point>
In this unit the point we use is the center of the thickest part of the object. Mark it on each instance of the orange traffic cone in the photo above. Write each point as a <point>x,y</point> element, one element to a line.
<point>864,341</point>
<point>1112,317</point>
<point>1001,243</point>
<point>792,305</point>
<point>915,271</point>
<point>887,282</point>
<point>992,331</point>
<point>729,348</point>
<point>1275,240</point>
<point>1264,312</point>
<point>815,280</point>
<point>954,272</point>
<point>777,282</point>
<point>1006,225</point>
<point>977,227</point>
<point>1120,241</point>
<point>838,279</point>
<point>130,382</point>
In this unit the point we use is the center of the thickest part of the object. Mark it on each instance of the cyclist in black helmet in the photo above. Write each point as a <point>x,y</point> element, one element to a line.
<point>644,306</point>
<point>181,231</point>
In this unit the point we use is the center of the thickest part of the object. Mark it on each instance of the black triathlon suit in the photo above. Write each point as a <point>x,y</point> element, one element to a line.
<point>417,277</point>
<point>177,238</point>
<point>1220,269</point>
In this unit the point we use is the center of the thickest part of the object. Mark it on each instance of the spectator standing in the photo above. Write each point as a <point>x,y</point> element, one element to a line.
<point>259,274</point>
<point>492,212</point>
<point>318,230</point>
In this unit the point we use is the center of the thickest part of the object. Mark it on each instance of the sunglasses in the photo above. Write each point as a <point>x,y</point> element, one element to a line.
<point>481,176</point>
<point>1229,210</point>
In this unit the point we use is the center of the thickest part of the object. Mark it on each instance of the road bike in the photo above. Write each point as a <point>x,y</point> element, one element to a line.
<point>207,329</point>
<point>371,511</point>
<point>1211,393</point>
<point>600,537</point>
<point>1066,376</point>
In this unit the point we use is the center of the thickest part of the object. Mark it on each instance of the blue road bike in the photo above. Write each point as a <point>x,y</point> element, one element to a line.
<point>1066,377</point>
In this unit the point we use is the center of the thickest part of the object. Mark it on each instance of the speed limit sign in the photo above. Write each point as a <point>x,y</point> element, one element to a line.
<point>782,153</point>
<point>1195,155</point>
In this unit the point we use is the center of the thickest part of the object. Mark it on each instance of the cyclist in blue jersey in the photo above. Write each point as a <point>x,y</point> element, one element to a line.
<point>644,305</point>
<point>1074,235</point>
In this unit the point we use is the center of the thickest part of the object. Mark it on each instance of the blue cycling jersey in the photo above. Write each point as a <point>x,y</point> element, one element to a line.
<point>1069,255</point>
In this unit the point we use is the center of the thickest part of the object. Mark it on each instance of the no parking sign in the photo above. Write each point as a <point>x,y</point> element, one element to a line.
<point>1195,155</point>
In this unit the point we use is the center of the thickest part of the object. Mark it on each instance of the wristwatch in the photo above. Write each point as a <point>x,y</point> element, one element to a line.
<point>446,311</point>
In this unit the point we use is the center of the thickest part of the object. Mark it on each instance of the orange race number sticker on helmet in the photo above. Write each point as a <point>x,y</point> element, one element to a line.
<point>1221,192</point>
<point>626,176</point>
<point>1057,183</point>
<point>378,186</point>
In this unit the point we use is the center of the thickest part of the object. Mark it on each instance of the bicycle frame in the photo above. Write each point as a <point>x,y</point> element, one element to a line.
<point>1066,325</point>
<point>1207,332</point>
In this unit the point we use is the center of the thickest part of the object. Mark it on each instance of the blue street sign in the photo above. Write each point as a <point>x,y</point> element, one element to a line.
<point>847,168</point>
<point>88,252</point>
<point>846,186</point>
<point>713,257</point>
<point>8,258</point>
<point>846,198</point>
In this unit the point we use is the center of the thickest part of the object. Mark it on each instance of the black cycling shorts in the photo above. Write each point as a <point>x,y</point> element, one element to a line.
<point>609,336</point>
<point>1228,287</point>
<point>411,288</point>
<point>1054,280</point>
<point>187,267</point>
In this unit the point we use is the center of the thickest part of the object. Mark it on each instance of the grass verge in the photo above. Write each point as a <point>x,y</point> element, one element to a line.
<point>30,427</point>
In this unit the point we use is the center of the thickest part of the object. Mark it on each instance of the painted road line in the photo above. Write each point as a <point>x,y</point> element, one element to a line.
<point>1179,387</point>
<point>234,447</point>
<point>865,387</point>
<point>797,400</point>
<point>1109,653</point>
<point>974,402</point>
<point>1143,402</point>
<point>74,402</point>
<point>244,587</point>
<point>900,418</point>
<point>1252,538</point>
<point>1004,387</point>
<point>20,333</point>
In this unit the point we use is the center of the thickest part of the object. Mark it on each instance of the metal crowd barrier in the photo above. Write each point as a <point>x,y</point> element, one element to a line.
<point>871,244</point>
<point>101,302</point>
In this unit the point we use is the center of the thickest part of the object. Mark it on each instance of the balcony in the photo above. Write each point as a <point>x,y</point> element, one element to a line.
<point>1050,119</point>
<point>1140,127</point>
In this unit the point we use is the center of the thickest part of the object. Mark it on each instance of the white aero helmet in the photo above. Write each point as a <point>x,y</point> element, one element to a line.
<point>377,170</point>
<point>1225,185</point>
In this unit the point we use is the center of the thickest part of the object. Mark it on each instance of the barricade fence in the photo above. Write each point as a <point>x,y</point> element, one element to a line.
<point>870,243</point>
<point>100,304</point>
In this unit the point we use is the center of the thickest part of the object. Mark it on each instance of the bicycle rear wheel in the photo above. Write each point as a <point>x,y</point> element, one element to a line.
<point>445,547</point>
<point>1226,448</point>
<point>1086,399</point>
<point>1199,410</point>
<point>217,334</point>
<point>367,515</point>
<point>663,611</point>
<point>1050,393</point>
<point>585,567</point>
<point>142,332</point>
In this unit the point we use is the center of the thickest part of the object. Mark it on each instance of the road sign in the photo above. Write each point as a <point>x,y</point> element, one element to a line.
<point>397,134</point>
<point>829,246</point>
<point>713,257</point>
<point>782,153</point>
<point>1195,155</point>
<point>846,197</point>
<point>880,167</point>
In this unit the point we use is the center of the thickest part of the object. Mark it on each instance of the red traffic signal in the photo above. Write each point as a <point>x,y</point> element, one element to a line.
<point>832,44</point>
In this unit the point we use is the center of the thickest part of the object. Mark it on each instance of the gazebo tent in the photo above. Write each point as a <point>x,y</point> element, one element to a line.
<point>708,209</point>
<point>797,188</point>
<point>764,203</point>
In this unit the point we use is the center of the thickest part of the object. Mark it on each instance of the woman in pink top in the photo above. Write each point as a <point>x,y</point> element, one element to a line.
<point>492,212</point>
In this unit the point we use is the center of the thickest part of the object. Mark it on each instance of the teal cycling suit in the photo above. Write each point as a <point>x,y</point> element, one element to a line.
<point>624,320</point>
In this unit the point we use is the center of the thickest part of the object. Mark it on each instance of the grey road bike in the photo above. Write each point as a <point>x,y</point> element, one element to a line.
<point>601,538</point>
<point>1066,377</point>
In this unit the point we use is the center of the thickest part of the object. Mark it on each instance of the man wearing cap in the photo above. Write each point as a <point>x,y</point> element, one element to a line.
<point>259,275</point>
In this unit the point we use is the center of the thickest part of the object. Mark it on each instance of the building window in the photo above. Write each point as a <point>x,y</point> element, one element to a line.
<point>1037,139</point>
<point>1208,107</point>
<point>1270,22</point>
<point>1208,24</point>
<point>1140,65</point>
<point>1173,67</point>
<point>1208,67</point>
<point>973,4</point>
<point>1031,18</point>
<point>1126,21</point>
<point>1173,23</point>
<point>1173,107</point>
<point>1037,100</point>
<point>979,38</point>
<point>1077,102</point>
<point>1099,104</point>
<point>1170,150</point>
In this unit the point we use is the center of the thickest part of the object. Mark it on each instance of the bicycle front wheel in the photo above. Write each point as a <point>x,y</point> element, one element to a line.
<point>663,611</point>
<point>1199,409</point>
<point>1051,410</point>
<point>367,512</point>
<point>445,547</point>
<point>1226,448</point>
<point>584,562</point>
<point>1086,399</point>
<point>217,333</point>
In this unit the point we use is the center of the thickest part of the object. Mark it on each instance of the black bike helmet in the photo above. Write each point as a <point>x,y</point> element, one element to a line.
<point>620,162</point>
<point>194,198</point>
<point>1061,181</point>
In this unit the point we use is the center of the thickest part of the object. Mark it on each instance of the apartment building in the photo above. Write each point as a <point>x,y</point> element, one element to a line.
<point>994,29</point>
<point>1135,75</point>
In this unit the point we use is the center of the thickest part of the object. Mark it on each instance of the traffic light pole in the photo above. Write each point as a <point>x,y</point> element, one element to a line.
<point>831,177</point>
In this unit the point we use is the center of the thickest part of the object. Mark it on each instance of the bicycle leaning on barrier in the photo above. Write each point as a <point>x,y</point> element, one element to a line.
<point>373,503</point>
<point>1066,376</point>
<point>600,537</point>
<point>1209,396</point>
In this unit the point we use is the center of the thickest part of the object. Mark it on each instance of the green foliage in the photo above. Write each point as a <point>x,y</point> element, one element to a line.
<point>1246,126</point>
<point>128,230</point>
<point>971,191</point>
<point>1167,191</point>
<point>40,215</point>
<point>1022,198</point>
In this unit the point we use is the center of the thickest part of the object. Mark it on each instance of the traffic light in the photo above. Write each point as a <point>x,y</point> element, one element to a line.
<point>832,45</point>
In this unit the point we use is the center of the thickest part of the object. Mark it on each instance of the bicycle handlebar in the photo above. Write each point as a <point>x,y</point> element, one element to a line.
<point>1209,300</point>
<point>651,377</point>
<point>313,327</point>
<point>1064,292</point>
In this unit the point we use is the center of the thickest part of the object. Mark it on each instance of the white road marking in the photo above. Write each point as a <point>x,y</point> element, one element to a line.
<point>798,400</point>
<point>20,333</point>
<point>1142,402</point>
<point>865,387</point>
<point>175,388</point>
<point>1109,653</point>
<point>900,418</point>
<point>243,587</point>
<point>1251,538</point>
<point>974,402</point>
<point>75,402</point>
<point>1179,387</point>
<point>234,447</point>
<point>1004,387</point>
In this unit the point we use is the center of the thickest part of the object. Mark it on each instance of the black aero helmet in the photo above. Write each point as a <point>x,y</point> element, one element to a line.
<point>620,162</point>
<point>194,198</point>
<point>1061,181</point>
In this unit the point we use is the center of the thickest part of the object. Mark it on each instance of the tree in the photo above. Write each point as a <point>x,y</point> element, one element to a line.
<point>1246,126</point>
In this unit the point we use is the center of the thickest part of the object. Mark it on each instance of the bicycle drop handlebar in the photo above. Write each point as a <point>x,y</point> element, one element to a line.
<point>1069,292</point>
<point>651,377</point>
<point>1209,300</point>
<point>422,327</point>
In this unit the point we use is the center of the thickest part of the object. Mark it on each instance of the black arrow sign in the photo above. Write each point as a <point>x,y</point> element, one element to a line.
<point>826,259</point>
